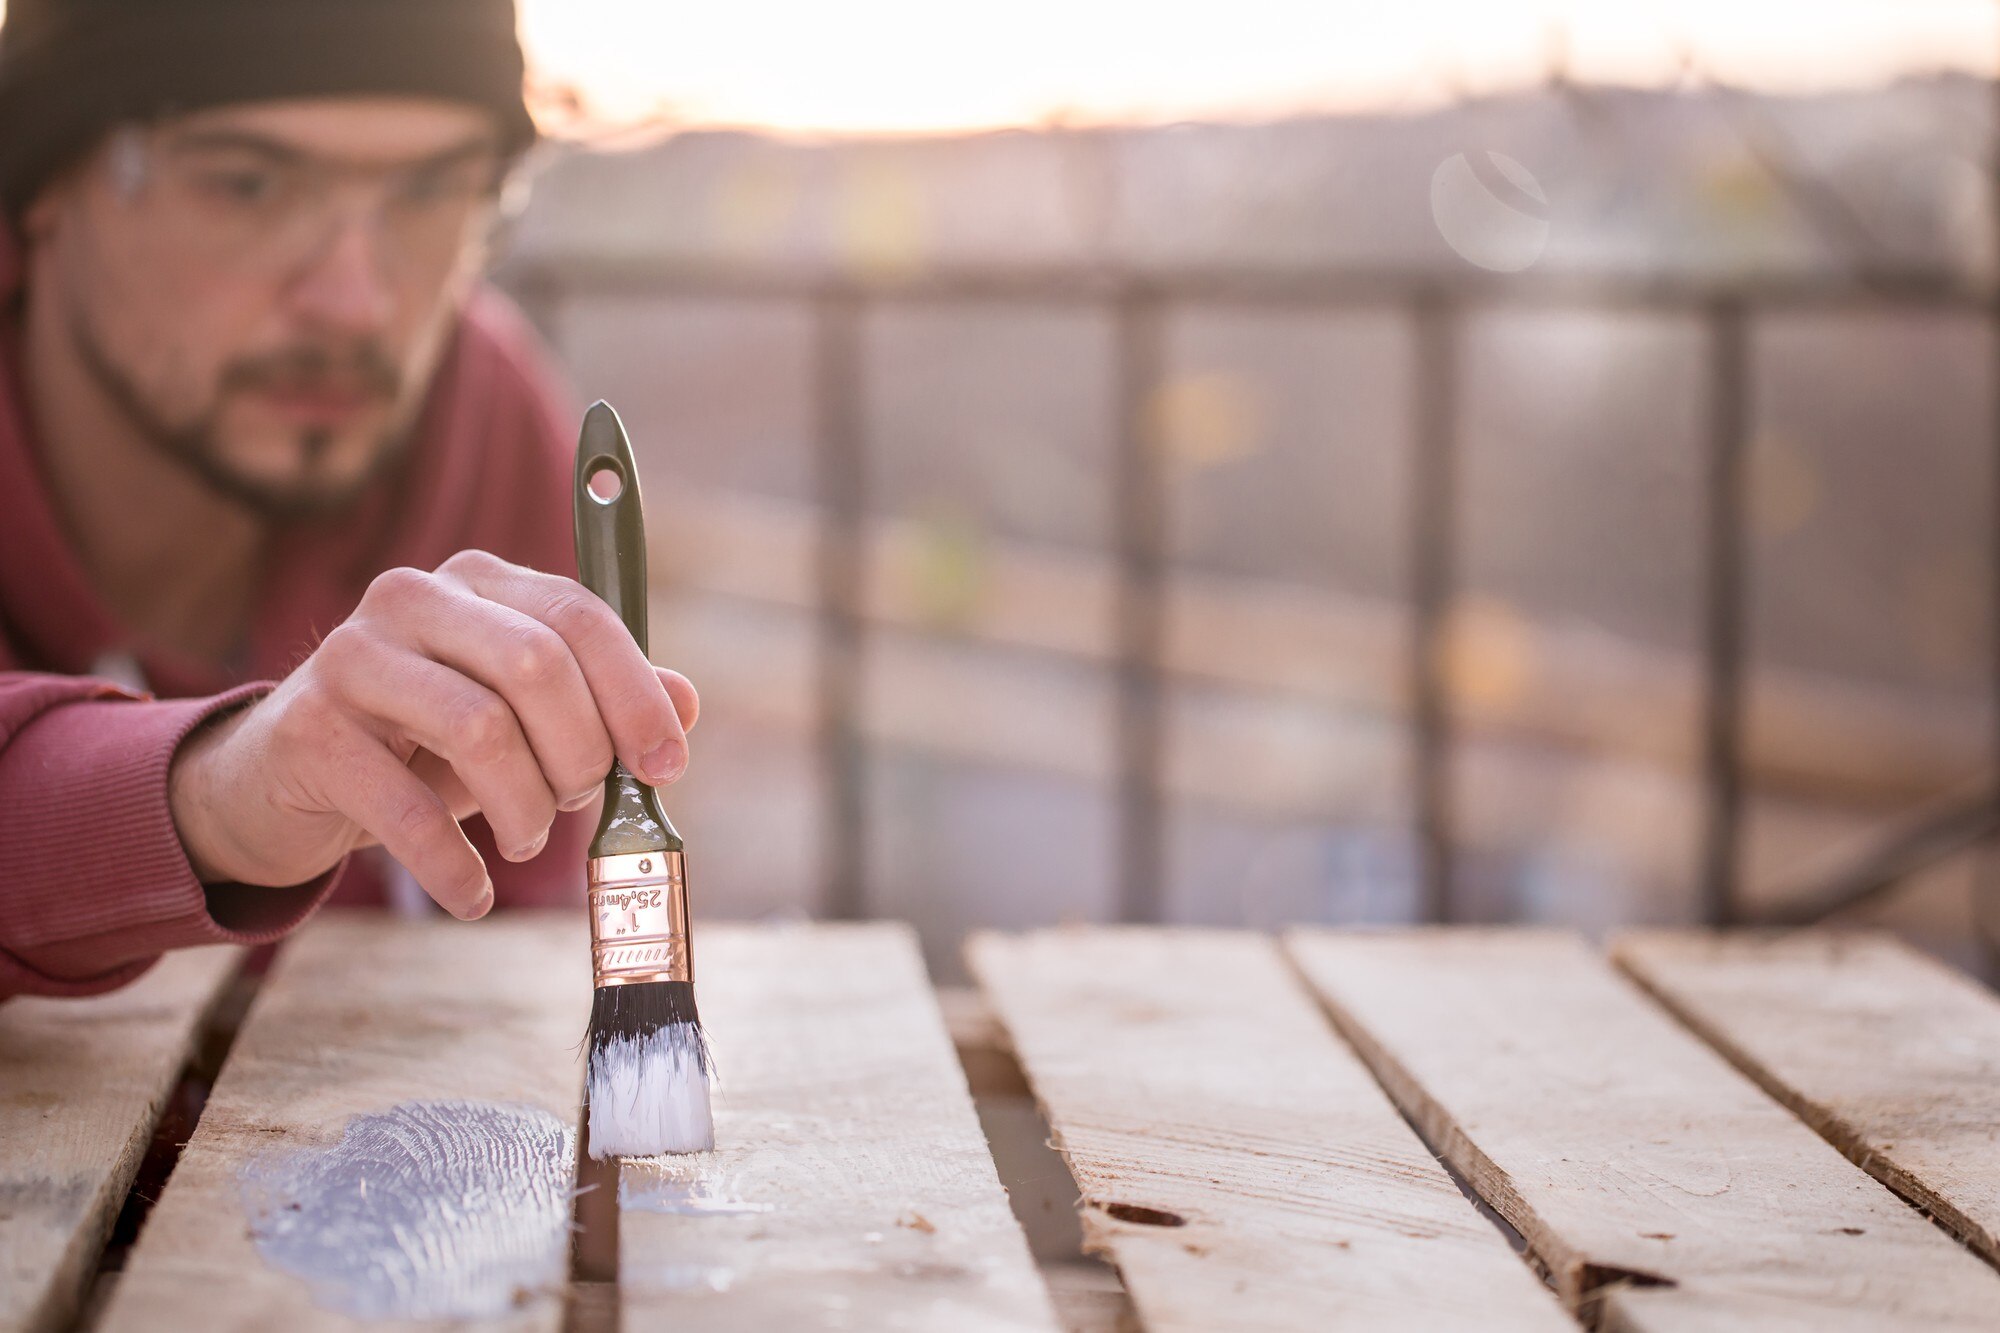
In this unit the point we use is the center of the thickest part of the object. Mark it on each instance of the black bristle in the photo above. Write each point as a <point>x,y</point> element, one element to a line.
<point>638,1011</point>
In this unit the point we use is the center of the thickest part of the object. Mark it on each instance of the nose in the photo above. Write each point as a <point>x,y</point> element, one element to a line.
<point>344,286</point>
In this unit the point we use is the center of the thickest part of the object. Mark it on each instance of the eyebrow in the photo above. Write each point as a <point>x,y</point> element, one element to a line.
<point>483,142</point>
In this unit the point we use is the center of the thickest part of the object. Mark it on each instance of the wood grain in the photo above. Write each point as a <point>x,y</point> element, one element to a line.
<point>82,1083</point>
<point>1662,1189</point>
<point>1889,1054</point>
<point>851,1187</point>
<point>1238,1164</point>
<point>360,1015</point>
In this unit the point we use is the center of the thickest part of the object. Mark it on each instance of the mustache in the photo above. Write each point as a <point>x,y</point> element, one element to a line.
<point>363,367</point>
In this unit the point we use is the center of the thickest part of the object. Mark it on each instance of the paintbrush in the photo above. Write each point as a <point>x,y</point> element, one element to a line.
<point>648,1065</point>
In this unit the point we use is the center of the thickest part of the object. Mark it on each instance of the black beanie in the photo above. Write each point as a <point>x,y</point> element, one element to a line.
<point>72,69</point>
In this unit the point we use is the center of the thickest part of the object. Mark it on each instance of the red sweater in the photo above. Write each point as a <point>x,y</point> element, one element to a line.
<point>94,884</point>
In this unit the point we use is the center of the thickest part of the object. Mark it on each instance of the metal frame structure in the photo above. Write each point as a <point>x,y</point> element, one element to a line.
<point>1139,304</point>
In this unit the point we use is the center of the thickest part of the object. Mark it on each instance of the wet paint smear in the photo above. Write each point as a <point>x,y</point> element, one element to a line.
<point>683,1185</point>
<point>427,1210</point>
<point>690,1185</point>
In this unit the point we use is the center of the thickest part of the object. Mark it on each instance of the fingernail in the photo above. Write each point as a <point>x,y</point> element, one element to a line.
<point>664,762</point>
<point>483,906</point>
<point>529,852</point>
<point>575,803</point>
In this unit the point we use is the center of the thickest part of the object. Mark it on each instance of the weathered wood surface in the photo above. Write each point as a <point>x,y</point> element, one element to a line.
<point>851,1186</point>
<point>1238,1164</point>
<point>1662,1189</point>
<point>1891,1055</point>
<point>82,1084</point>
<point>377,1150</point>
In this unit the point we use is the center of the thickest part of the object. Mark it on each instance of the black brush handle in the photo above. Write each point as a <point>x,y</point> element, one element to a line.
<point>611,534</point>
<point>611,562</point>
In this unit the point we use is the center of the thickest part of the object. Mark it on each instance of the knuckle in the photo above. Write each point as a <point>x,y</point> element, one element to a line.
<point>472,561</point>
<point>343,645</point>
<point>577,616</point>
<point>481,727</point>
<point>397,587</point>
<point>538,654</point>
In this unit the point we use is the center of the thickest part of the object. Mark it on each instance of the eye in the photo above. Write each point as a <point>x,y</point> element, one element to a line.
<point>243,185</point>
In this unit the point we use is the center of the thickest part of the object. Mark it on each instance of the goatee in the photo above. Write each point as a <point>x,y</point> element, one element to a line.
<point>195,447</point>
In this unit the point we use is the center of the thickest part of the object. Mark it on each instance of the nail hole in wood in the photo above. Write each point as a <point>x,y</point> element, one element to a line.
<point>1144,1216</point>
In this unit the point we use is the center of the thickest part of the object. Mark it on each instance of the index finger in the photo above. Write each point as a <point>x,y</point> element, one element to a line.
<point>631,698</point>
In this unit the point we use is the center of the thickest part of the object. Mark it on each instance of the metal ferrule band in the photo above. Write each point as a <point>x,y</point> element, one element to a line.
<point>639,919</point>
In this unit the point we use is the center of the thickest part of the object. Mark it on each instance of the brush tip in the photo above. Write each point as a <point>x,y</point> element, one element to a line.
<point>648,1073</point>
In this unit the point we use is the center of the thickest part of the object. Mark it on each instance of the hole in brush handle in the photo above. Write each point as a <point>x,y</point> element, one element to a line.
<point>607,481</point>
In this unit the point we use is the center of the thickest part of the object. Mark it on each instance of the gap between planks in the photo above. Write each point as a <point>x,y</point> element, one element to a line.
<point>362,1017</point>
<point>851,1185</point>
<point>1892,1056</point>
<point>1662,1189</point>
<point>1240,1167</point>
<point>82,1085</point>
<point>844,1117</point>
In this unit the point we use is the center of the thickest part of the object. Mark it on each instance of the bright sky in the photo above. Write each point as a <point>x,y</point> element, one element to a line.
<point>915,65</point>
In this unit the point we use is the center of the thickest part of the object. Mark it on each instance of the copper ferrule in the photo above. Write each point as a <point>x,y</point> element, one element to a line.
<point>639,919</point>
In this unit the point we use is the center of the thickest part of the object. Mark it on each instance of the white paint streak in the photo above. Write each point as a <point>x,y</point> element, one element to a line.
<point>427,1210</point>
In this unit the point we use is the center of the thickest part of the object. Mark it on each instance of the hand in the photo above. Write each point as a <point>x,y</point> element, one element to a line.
<point>482,687</point>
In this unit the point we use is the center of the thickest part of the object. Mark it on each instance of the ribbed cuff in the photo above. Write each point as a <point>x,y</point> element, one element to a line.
<point>94,882</point>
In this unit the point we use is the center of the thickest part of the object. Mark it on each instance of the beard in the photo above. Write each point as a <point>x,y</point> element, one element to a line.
<point>362,366</point>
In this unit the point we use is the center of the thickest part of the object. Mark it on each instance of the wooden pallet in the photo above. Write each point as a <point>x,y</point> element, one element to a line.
<point>1446,1129</point>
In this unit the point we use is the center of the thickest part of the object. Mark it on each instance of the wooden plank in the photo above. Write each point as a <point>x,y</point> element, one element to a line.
<point>390,1142</point>
<point>850,1186</point>
<point>82,1083</point>
<point>1892,1056</point>
<point>1662,1189</point>
<point>1237,1163</point>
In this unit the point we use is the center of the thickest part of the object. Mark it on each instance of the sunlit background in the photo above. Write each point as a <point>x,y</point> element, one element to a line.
<point>910,66</point>
<point>1285,461</point>
<point>1303,461</point>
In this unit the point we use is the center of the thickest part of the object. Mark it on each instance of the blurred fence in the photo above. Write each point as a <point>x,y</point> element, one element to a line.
<point>1414,656</point>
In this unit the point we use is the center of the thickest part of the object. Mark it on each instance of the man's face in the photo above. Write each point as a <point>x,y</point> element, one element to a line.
<point>264,290</point>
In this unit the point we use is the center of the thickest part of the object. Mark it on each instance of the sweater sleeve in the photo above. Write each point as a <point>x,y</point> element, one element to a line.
<point>94,883</point>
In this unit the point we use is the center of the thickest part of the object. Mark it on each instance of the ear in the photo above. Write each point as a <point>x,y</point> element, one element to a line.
<point>40,218</point>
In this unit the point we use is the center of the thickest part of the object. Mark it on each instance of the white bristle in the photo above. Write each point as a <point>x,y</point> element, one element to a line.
<point>649,1095</point>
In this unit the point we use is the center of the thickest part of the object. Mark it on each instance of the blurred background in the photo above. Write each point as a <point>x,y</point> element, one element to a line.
<point>1303,461</point>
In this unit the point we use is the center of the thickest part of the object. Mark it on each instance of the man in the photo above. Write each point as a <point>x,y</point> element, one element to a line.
<point>258,422</point>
